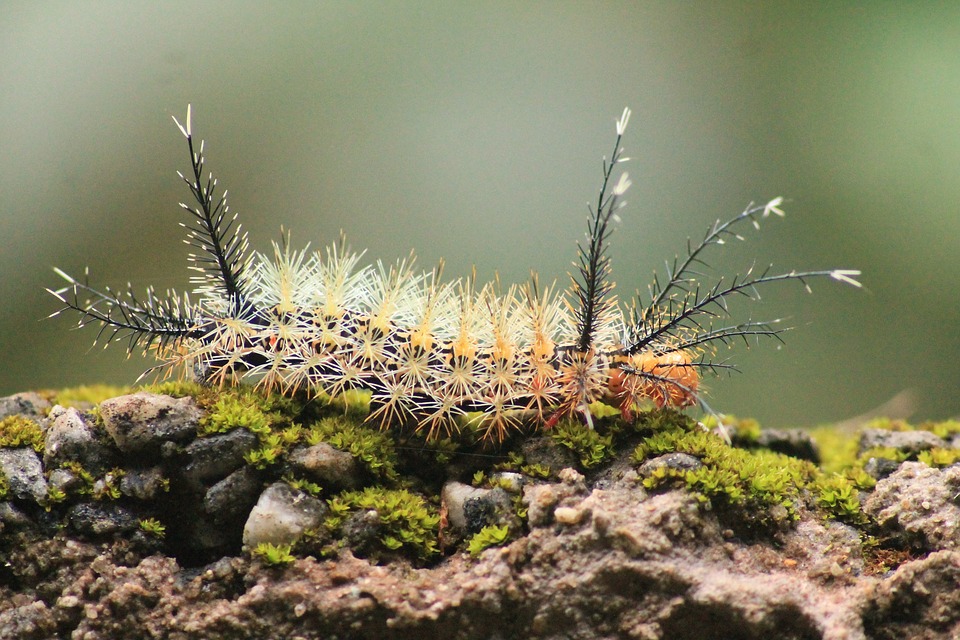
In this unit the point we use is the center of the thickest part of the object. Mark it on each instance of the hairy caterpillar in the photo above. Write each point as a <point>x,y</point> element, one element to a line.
<point>433,352</point>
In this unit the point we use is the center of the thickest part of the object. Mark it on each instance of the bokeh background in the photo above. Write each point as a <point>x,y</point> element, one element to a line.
<point>474,132</point>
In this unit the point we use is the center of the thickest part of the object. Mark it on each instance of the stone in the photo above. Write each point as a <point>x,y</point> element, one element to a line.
<point>216,456</point>
<point>676,461</point>
<point>24,473</point>
<point>326,465</point>
<point>919,504</point>
<point>282,515</point>
<point>791,442</point>
<point>232,498</point>
<point>140,423</point>
<point>469,509</point>
<point>71,439</point>
<point>910,442</point>
<point>28,404</point>
<point>101,519</point>
<point>143,484</point>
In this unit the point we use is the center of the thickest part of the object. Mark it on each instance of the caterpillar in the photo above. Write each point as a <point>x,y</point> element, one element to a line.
<point>437,356</point>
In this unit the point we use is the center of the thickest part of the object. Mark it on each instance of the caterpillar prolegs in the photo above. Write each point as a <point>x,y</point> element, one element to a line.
<point>436,354</point>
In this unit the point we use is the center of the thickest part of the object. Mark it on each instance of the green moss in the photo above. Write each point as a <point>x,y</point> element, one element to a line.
<point>4,486</point>
<point>235,411</point>
<point>838,448</point>
<point>85,477</point>
<point>945,429</point>
<point>273,444</point>
<point>18,431</point>
<point>105,487</point>
<point>756,481</point>
<point>746,430</point>
<point>489,536</point>
<point>516,462</point>
<point>839,496</point>
<point>88,395</point>
<point>54,496</point>
<point>354,403</point>
<point>304,485</point>
<point>590,446</point>
<point>939,457</point>
<point>153,527</point>
<point>108,486</point>
<point>176,389</point>
<point>274,555</point>
<point>406,522</point>
<point>373,449</point>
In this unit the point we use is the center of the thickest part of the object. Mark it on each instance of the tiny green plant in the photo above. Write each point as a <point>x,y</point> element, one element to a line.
<point>153,527</point>
<point>274,555</point>
<point>489,536</point>
<point>18,431</point>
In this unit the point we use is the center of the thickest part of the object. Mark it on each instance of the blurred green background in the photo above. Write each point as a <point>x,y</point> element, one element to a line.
<point>474,131</point>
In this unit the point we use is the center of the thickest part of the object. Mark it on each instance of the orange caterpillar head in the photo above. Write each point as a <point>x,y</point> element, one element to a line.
<point>667,379</point>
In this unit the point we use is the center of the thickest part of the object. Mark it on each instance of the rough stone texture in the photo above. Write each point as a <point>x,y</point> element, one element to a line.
<point>330,467</point>
<point>281,516</point>
<point>28,404</point>
<point>920,504</point>
<point>677,461</point>
<point>791,442</point>
<point>214,457</point>
<point>70,438</point>
<point>142,422</point>
<point>910,442</point>
<point>598,557</point>
<point>231,499</point>
<point>469,509</point>
<point>633,566</point>
<point>24,473</point>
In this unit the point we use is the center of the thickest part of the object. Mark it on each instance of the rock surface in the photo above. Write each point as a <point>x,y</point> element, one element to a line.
<point>594,554</point>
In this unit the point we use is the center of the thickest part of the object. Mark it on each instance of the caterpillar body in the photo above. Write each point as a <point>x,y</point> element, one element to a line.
<point>437,355</point>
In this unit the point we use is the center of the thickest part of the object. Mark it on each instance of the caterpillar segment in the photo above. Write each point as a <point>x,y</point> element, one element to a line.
<point>440,357</point>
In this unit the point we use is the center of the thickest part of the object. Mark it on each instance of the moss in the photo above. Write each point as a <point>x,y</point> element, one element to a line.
<point>590,446</point>
<point>838,448</point>
<point>235,411</point>
<point>55,495</point>
<point>4,486</point>
<point>839,496</point>
<point>939,457</point>
<point>489,536</point>
<point>87,395</point>
<point>274,555</point>
<point>946,429</point>
<point>518,463</point>
<point>373,449</point>
<point>406,522</point>
<point>107,487</point>
<point>744,430</point>
<point>176,389</point>
<point>765,486</point>
<point>153,527</point>
<point>18,431</point>
<point>306,486</point>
